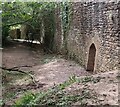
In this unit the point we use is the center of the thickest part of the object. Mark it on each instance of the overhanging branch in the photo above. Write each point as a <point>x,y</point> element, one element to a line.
<point>17,23</point>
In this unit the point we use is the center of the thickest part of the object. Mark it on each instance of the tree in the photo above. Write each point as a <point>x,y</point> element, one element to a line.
<point>14,13</point>
<point>34,14</point>
<point>30,13</point>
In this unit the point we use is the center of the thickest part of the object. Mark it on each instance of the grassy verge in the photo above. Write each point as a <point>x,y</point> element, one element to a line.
<point>57,96</point>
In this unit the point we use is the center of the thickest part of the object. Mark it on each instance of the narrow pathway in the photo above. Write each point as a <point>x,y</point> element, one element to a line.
<point>48,69</point>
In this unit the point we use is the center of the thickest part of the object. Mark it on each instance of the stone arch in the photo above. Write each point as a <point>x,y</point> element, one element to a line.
<point>91,58</point>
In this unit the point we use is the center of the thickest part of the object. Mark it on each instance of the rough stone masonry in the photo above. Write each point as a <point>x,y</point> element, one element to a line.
<point>93,37</point>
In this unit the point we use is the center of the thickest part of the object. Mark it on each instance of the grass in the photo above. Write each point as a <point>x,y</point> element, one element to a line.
<point>57,95</point>
<point>53,96</point>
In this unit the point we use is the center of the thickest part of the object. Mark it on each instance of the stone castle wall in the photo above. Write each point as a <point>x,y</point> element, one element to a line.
<point>97,24</point>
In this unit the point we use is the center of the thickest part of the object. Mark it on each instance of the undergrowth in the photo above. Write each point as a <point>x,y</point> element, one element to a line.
<point>56,96</point>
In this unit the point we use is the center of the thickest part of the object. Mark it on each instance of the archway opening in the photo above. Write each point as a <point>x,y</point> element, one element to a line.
<point>91,58</point>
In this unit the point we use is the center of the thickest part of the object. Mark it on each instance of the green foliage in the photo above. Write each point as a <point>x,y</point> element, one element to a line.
<point>34,14</point>
<point>25,99</point>
<point>57,95</point>
<point>66,14</point>
<point>45,97</point>
<point>66,20</point>
<point>1,103</point>
<point>5,32</point>
<point>31,14</point>
<point>86,79</point>
<point>71,80</point>
<point>49,27</point>
<point>15,12</point>
<point>18,12</point>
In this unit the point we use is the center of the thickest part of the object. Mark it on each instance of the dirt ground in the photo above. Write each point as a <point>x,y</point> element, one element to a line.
<point>51,69</point>
<point>48,69</point>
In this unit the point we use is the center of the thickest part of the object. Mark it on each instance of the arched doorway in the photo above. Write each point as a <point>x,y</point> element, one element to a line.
<point>91,58</point>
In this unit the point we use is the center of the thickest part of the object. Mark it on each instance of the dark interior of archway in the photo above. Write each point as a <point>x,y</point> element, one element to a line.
<point>91,58</point>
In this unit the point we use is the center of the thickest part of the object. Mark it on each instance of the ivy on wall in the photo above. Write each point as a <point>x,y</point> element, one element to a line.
<point>66,19</point>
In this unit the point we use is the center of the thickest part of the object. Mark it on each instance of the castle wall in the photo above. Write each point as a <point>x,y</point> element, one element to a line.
<point>58,36</point>
<point>95,23</point>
